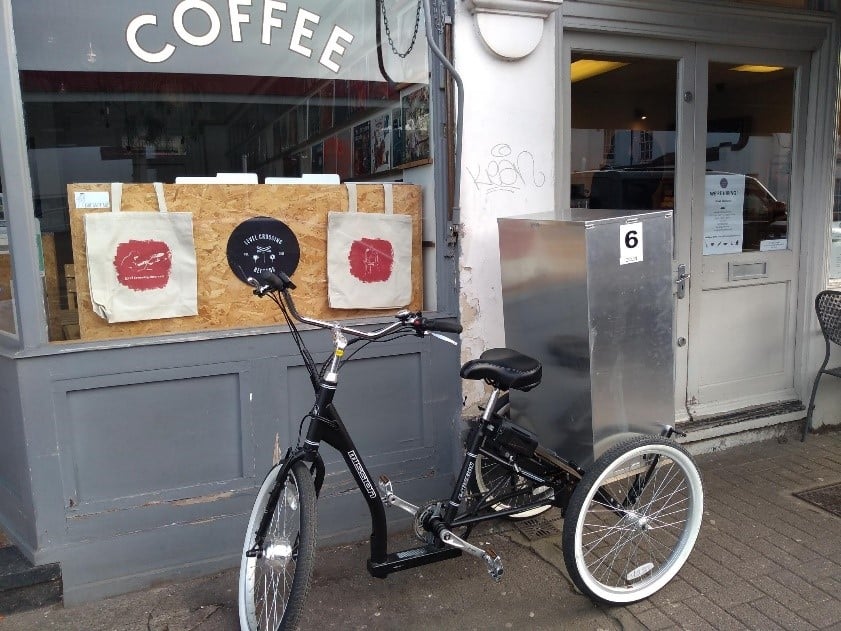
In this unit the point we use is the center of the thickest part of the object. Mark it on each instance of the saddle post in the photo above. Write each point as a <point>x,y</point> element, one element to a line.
<point>491,406</point>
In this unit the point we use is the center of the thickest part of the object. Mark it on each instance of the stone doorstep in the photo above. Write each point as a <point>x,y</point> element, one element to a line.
<point>24,586</point>
<point>779,421</point>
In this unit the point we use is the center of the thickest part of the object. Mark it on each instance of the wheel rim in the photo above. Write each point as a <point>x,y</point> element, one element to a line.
<point>489,474</point>
<point>630,553</point>
<point>269,577</point>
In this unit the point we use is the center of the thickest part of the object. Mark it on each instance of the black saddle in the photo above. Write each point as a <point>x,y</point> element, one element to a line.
<point>505,369</point>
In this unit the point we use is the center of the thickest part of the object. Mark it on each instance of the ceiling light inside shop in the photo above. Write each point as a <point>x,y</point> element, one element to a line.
<point>754,68</point>
<point>586,68</point>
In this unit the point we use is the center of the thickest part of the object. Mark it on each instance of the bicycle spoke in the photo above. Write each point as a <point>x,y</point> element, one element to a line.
<point>635,522</point>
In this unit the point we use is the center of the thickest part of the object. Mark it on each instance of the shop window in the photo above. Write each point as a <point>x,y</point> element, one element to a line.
<point>130,93</point>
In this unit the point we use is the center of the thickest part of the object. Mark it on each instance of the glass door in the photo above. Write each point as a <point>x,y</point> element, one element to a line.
<point>712,133</point>
<point>745,227</point>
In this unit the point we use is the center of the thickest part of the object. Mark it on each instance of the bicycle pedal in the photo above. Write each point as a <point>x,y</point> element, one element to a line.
<point>385,486</point>
<point>488,555</point>
<point>494,563</point>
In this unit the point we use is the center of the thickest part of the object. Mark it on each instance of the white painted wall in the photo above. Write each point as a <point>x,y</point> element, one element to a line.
<point>508,167</point>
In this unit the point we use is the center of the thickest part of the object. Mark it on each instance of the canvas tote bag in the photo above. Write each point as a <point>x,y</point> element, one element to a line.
<point>369,256</point>
<point>141,265</point>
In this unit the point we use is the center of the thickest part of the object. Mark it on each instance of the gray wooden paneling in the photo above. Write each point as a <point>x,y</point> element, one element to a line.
<point>134,438</point>
<point>15,491</point>
<point>145,460</point>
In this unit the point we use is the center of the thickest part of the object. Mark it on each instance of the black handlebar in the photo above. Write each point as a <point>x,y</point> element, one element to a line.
<point>279,281</point>
<point>282,283</point>
<point>445,325</point>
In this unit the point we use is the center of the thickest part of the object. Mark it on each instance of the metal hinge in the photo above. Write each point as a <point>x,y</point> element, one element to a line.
<point>455,233</point>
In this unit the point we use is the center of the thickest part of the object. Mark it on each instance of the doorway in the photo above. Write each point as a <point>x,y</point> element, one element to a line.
<point>711,132</point>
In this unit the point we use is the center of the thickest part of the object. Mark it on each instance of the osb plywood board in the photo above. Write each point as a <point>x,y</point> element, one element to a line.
<point>51,286</point>
<point>225,302</point>
<point>5,276</point>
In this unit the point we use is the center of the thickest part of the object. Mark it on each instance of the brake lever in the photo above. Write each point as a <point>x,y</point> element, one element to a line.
<point>259,290</point>
<point>441,337</point>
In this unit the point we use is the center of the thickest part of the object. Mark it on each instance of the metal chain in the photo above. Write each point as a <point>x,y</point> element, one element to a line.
<point>414,35</point>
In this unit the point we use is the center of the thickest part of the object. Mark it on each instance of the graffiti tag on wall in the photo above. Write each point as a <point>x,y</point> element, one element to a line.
<point>506,172</point>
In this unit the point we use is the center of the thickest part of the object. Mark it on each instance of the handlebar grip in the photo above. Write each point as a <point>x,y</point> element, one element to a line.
<point>279,281</point>
<point>445,325</point>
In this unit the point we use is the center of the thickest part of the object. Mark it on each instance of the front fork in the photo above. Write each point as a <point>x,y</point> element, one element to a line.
<point>290,458</point>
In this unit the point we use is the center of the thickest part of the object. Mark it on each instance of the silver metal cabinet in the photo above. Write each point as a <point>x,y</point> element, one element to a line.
<point>589,293</point>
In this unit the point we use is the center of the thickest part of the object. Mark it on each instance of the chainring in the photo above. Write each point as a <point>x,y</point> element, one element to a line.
<point>425,511</point>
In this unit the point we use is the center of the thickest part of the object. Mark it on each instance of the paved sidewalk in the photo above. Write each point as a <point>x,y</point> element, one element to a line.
<point>764,560</point>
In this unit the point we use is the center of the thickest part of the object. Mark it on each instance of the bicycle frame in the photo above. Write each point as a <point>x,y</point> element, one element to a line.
<point>326,426</point>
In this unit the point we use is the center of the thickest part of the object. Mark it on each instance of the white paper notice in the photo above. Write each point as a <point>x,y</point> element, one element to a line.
<point>767,245</point>
<point>630,243</point>
<point>723,204</point>
<point>92,199</point>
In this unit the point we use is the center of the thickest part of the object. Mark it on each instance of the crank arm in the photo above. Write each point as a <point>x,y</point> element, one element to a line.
<point>390,499</point>
<point>490,557</point>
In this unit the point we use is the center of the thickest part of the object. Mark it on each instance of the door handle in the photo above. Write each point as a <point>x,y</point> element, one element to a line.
<point>681,280</point>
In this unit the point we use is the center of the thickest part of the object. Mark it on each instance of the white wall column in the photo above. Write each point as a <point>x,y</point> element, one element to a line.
<point>508,164</point>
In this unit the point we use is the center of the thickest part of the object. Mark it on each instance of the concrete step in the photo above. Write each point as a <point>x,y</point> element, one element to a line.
<point>24,586</point>
<point>782,421</point>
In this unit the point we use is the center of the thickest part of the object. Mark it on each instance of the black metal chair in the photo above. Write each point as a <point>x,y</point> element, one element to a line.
<point>828,308</point>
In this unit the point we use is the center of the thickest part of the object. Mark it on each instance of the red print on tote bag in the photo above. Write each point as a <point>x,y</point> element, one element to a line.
<point>143,265</point>
<point>371,260</point>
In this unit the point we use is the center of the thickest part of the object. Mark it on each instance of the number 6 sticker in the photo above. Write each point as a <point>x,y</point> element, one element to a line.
<point>630,243</point>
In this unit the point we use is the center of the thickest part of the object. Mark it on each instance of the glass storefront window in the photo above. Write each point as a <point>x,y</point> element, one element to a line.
<point>623,132</point>
<point>150,92</point>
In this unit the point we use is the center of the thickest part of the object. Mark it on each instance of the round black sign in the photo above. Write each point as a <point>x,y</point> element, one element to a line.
<point>262,244</point>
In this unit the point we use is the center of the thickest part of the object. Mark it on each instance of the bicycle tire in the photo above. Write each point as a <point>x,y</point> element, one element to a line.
<point>487,474</point>
<point>291,537</point>
<point>626,554</point>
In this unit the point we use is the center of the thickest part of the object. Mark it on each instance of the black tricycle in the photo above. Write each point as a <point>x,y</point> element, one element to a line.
<point>630,521</point>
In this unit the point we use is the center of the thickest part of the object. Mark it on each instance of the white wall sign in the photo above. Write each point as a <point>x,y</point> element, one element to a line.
<point>302,32</point>
<point>630,243</point>
<point>723,204</point>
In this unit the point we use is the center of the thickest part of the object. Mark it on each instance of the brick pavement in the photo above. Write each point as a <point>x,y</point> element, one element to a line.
<point>764,560</point>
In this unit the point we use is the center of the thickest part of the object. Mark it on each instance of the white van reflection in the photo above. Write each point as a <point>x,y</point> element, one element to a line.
<point>765,217</point>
